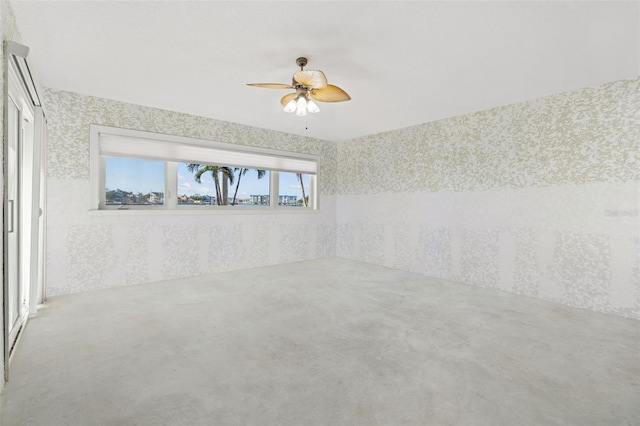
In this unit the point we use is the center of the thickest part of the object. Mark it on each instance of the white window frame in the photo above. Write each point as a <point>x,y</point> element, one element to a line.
<point>175,149</point>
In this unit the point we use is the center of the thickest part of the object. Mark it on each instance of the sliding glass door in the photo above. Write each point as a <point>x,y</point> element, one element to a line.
<point>15,296</point>
<point>19,166</point>
<point>25,132</point>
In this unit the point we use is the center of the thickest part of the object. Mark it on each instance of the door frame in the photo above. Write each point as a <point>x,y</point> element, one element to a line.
<point>15,58</point>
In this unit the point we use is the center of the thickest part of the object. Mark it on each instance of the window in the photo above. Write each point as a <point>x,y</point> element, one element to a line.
<point>294,189</point>
<point>139,170</point>
<point>132,181</point>
<point>211,185</point>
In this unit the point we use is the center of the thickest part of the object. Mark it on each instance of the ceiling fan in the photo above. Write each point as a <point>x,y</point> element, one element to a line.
<point>308,85</point>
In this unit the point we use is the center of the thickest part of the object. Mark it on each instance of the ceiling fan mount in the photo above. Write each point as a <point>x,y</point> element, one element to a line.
<point>301,62</point>
<point>309,86</point>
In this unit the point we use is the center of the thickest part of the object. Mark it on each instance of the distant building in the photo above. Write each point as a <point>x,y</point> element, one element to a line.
<point>183,199</point>
<point>155,198</point>
<point>259,199</point>
<point>124,197</point>
<point>287,200</point>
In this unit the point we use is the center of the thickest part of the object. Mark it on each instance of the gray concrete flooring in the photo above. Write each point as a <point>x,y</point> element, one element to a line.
<point>326,342</point>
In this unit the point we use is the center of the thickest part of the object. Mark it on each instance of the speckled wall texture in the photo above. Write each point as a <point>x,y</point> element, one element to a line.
<point>87,251</point>
<point>539,198</point>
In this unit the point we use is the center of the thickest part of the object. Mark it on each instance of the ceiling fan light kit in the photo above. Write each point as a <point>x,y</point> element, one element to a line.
<point>301,104</point>
<point>308,85</point>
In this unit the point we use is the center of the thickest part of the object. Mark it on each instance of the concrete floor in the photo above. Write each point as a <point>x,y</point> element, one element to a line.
<point>326,342</point>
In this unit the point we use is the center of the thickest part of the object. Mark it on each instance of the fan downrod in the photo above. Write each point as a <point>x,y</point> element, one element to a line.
<point>301,62</point>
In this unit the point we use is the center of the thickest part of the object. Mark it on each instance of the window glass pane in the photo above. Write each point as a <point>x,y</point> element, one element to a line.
<point>196,185</point>
<point>206,184</point>
<point>294,189</point>
<point>250,188</point>
<point>131,181</point>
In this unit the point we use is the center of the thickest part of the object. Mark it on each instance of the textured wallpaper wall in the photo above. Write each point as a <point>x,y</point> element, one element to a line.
<point>538,198</point>
<point>87,251</point>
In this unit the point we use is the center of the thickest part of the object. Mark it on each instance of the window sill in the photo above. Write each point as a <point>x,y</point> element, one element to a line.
<point>195,211</point>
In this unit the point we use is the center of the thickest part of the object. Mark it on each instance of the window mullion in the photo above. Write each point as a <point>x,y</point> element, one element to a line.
<point>274,189</point>
<point>170,184</point>
<point>313,201</point>
<point>102,202</point>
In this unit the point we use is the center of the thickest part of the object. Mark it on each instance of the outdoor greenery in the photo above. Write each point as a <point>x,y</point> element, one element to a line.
<point>119,196</point>
<point>223,177</point>
<point>242,172</point>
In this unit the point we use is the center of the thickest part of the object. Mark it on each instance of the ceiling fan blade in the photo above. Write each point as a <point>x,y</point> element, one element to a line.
<point>330,93</point>
<point>286,98</point>
<point>271,85</point>
<point>313,79</point>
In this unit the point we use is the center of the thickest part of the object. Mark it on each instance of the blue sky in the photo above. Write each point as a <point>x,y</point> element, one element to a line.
<point>135,175</point>
<point>130,174</point>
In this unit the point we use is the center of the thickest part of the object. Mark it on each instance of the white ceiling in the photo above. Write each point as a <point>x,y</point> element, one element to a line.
<point>403,63</point>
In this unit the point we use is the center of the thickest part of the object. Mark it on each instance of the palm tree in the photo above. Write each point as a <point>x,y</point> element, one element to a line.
<point>304,197</point>
<point>216,171</point>
<point>241,173</point>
